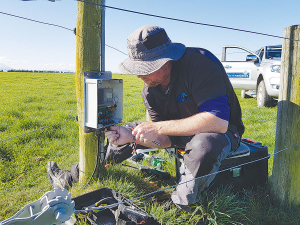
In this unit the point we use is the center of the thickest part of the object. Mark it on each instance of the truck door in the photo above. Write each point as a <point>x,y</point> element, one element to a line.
<point>241,66</point>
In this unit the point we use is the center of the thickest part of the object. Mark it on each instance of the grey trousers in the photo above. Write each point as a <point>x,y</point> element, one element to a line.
<point>204,154</point>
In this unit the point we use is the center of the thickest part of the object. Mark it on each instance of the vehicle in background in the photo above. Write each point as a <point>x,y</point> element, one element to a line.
<point>257,74</point>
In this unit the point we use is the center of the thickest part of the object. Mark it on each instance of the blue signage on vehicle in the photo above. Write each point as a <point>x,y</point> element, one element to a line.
<point>238,75</point>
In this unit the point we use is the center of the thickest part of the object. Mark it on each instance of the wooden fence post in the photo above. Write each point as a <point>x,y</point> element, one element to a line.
<point>88,30</point>
<point>285,179</point>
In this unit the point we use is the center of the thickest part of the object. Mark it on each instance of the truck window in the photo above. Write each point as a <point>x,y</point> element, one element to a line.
<point>236,55</point>
<point>273,52</point>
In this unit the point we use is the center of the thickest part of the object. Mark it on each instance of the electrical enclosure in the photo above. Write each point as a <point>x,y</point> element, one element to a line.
<point>103,102</point>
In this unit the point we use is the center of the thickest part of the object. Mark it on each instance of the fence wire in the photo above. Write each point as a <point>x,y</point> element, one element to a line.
<point>123,106</point>
<point>174,186</point>
<point>42,128</point>
<point>186,21</point>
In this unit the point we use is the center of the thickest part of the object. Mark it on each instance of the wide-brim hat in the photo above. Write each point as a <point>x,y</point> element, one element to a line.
<point>149,48</point>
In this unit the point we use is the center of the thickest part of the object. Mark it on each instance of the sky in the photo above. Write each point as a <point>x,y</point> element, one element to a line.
<point>34,46</point>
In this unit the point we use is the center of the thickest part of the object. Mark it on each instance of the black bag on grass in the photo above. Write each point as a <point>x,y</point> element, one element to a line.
<point>122,214</point>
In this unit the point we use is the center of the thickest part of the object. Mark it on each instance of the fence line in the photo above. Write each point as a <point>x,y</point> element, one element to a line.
<point>37,21</point>
<point>35,130</point>
<point>123,106</point>
<point>185,21</point>
<point>146,14</point>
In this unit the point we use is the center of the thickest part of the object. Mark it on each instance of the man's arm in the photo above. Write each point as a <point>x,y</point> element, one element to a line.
<point>119,135</point>
<point>203,122</point>
<point>147,132</point>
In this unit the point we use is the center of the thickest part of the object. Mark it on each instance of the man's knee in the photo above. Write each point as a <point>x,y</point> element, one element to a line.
<point>202,152</point>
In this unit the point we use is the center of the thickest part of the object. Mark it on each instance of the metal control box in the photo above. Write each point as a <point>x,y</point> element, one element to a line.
<point>103,102</point>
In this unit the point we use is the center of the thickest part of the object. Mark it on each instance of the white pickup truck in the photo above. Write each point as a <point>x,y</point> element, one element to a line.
<point>257,71</point>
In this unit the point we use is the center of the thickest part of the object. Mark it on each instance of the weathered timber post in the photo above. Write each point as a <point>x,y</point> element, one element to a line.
<point>286,166</point>
<point>88,30</point>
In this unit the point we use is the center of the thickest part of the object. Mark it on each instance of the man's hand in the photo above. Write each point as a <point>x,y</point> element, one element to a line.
<point>119,135</point>
<point>146,132</point>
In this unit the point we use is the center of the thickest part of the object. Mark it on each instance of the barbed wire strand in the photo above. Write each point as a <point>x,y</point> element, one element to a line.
<point>155,192</point>
<point>185,21</point>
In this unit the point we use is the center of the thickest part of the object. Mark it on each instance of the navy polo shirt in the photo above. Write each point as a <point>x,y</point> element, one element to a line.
<point>197,78</point>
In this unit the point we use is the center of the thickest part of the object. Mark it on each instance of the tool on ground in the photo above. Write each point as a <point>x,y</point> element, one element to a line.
<point>137,157</point>
<point>54,207</point>
<point>152,171</point>
<point>157,161</point>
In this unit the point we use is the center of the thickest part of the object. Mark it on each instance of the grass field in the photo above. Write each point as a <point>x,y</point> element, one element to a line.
<point>37,125</point>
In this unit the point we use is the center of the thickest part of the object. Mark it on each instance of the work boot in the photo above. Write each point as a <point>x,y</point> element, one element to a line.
<point>57,177</point>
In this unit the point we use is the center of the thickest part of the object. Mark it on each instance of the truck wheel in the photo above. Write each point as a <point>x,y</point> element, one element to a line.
<point>263,99</point>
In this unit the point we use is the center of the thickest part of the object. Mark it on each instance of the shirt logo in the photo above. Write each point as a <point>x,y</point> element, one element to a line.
<point>182,97</point>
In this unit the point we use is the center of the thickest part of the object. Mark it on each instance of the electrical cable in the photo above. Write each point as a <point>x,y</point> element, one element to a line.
<point>98,134</point>
<point>186,21</point>
<point>215,173</point>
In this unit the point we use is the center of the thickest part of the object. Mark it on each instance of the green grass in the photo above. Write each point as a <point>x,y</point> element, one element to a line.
<point>30,101</point>
<point>260,124</point>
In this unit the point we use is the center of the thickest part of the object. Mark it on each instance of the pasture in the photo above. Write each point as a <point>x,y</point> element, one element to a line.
<point>37,124</point>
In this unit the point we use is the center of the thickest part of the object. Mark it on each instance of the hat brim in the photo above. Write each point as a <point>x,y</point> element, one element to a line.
<point>140,67</point>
